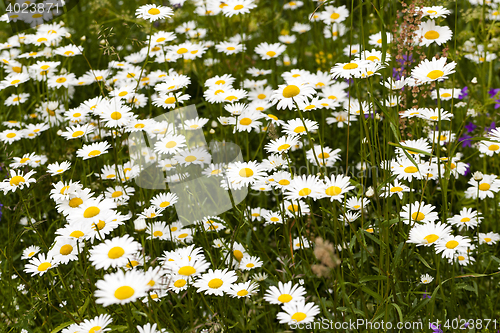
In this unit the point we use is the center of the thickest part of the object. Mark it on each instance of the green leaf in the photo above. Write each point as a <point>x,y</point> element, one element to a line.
<point>423,261</point>
<point>392,123</point>
<point>397,256</point>
<point>60,327</point>
<point>372,293</point>
<point>413,150</point>
<point>375,239</point>
<point>372,278</point>
<point>398,309</point>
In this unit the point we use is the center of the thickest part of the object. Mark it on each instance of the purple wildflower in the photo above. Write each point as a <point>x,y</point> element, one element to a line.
<point>493,93</point>
<point>470,127</point>
<point>464,93</point>
<point>465,139</point>
<point>467,171</point>
<point>491,127</point>
<point>435,328</point>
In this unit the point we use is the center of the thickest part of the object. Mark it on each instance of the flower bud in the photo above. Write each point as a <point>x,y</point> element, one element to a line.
<point>370,192</point>
<point>140,225</point>
<point>478,176</point>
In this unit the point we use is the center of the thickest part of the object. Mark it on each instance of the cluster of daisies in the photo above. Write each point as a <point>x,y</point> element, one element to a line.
<point>103,126</point>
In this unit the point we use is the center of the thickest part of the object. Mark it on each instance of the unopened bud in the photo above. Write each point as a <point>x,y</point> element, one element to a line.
<point>83,38</point>
<point>212,131</point>
<point>478,176</point>
<point>474,80</point>
<point>140,225</point>
<point>370,192</point>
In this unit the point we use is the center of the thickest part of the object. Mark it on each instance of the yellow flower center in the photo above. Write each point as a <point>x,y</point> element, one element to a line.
<point>271,53</point>
<point>182,50</point>
<point>431,238</point>
<point>66,249</point>
<point>180,283</point>
<point>116,115</point>
<point>61,80</point>
<point>44,266</point>
<point>493,147</point>
<point>245,121</point>
<point>291,91</point>
<point>484,186</point>
<point>215,283</point>
<point>95,329</point>
<point>284,182</point>
<point>350,66</point>
<point>75,202</point>
<point>101,224</point>
<point>94,153</point>
<point>242,293</point>
<point>186,270</point>
<point>418,216</point>
<point>283,147</point>
<point>299,129</point>
<point>170,100</point>
<point>124,292</point>
<point>164,204</point>
<point>158,233</point>
<point>77,134</point>
<point>435,74</point>
<point>304,192</point>
<point>411,169</point>
<point>171,144</point>
<point>238,7</point>
<point>76,234</point>
<point>190,158</point>
<point>285,298</point>
<point>246,172</point>
<point>487,239</point>
<point>333,190</point>
<point>91,212</point>
<point>431,34</point>
<point>323,155</point>
<point>16,180</point>
<point>335,16</point>
<point>116,194</point>
<point>154,11</point>
<point>116,252</point>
